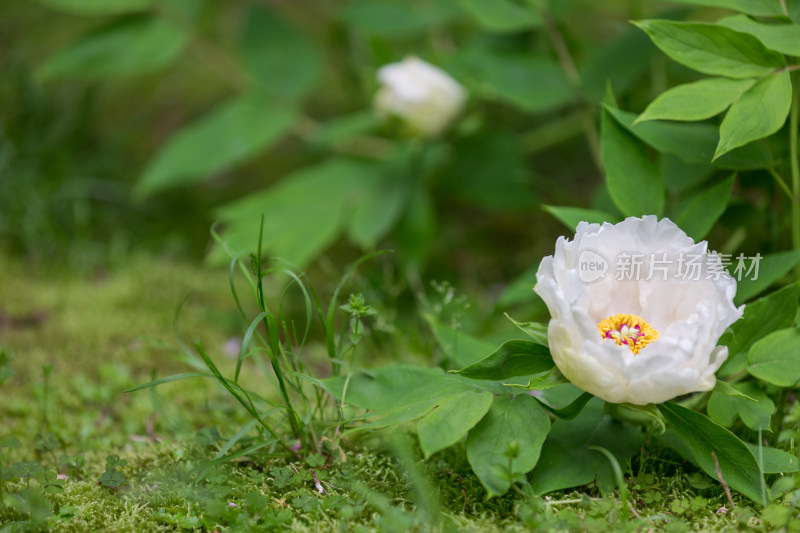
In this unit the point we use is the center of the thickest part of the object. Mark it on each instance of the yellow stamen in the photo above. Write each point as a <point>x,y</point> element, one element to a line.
<point>630,330</point>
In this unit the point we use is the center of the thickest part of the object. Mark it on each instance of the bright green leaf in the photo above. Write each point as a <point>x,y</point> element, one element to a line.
<point>514,358</point>
<point>231,133</point>
<point>696,101</point>
<point>771,268</point>
<point>379,210</point>
<point>759,113</point>
<point>776,358</point>
<point>703,436</point>
<point>516,421</point>
<point>783,38</point>
<point>134,45</point>
<point>755,409</point>
<point>571,216</point>
<point>632,179</point>
<point>461,347</point>
<point>693,143</point>
<point>451,419</point>
<point>265,44</point>
<point>97,7</point>
<point>702,211</point>
<point>712,49</point>
<point>770,313</point>
<point>567,460</point>
<point>535,330</point>
<point>502,15</point>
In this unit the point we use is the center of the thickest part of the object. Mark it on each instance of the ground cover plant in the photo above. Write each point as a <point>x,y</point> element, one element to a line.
<point>455,278</point>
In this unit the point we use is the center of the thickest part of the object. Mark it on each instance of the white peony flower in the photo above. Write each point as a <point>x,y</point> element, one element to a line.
<point>426,98</point>
<point>637,309</point>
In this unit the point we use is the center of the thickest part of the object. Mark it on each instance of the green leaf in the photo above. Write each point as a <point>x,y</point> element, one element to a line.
<point>379,210</point>
<point>551,379</point>
<point>712,49</point>
<point>134,45</point>
<point>783,38</point>
<point>502,15</point>
<point>567,460</point>
<point>771,268</point>
<point>759,113</point>
<point>283,61</point>
<point>776,358</point>
<point>573,409</point>
<point>632,179</point>
<point>304,213</point>
<point>770,313</point>
<point>703,210</point>
<point>9,442</point>
<point>394,19</point>
<point>230,134</point>
<point>462,348</point>
<point>451,419</point>
<point>693,143</point>
<point>97,7</point>
<point>571,216</point>
<point>703,436</point>
<point>534,83</point>
<point>535,330</point>
<point>775,461</point>
<point>762,8</point>
<point>755,409</point>
<point>679,175</point>
<point>696,101</point>
<point>516,421</point>
<point>513,358</point>
<point>519,291</point>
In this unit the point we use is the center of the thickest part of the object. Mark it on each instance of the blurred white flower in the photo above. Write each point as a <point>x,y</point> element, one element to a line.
<point>424,97</point>
<point>645,329</point>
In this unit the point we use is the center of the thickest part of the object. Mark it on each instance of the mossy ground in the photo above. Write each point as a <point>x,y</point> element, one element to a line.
<point>106,332</point>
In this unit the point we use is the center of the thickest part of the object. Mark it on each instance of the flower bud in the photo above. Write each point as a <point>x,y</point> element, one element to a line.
<point>425,98</point>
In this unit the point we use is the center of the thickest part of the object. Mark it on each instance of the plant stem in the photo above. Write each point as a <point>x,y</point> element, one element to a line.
<point>793,124</point>
<point>574,79</point>
<point>785,188</point>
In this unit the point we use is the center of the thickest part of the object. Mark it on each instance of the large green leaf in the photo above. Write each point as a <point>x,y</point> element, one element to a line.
<point>97,7</point>
<point>765,315</point>
<point>514,358</point>
<point>534,83</point>
<point>776,358</point>
<point>771,268</point>
<point>304,213</point>
<point>133,45</point>
<point>760,112</point>
<point>696,101</point>
<point>764,8</point>
<point>693,143</point>
<point>679,176</point>
<point>702,211</point>
<point>461,347</point>
<point>502,15</point>
<point>703,436</point>
<point>233,132</point>
<point>632,179</point>
<point>278,57</point>
<point>755,410</point>
<point>513,421</point>
<point>392,19</point>
<point>775,461</point>
<point>380,209</point>
<point>567,460</point>
<point>571,216</point>
<point>783,38</point>
<point>451,419</point>
<point>713,49</point>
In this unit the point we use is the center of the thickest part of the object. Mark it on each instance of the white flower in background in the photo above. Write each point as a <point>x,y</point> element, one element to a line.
<point>424,97</point>
<point>640,328</point>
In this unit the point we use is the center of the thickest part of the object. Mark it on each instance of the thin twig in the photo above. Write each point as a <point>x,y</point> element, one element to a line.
<point>722,481</point>
<point>633,511</point>
<point>785,9</point>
